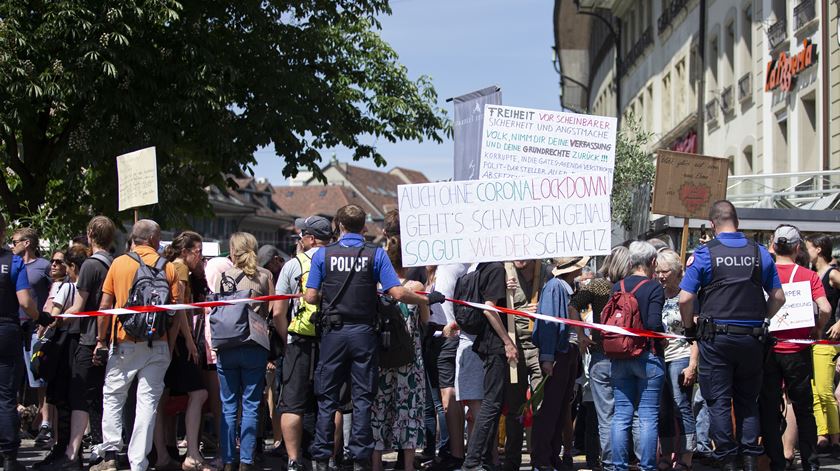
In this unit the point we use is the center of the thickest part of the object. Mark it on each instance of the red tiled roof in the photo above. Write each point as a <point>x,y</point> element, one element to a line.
<point>409,176</point>
<point>302,201</point>
<point>380,188</point>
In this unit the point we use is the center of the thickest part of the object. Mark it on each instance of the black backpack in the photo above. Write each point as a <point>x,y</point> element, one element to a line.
<point>396,346</point>
<point>150,288</point>
<point>470,320</point>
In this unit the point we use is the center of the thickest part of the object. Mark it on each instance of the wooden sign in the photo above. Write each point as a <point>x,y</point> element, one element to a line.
<point>687,184</point>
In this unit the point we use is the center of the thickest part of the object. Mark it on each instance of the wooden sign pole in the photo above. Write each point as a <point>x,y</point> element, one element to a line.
<point>136,215</point>
<point>511,328</point>
<point>684,242</point>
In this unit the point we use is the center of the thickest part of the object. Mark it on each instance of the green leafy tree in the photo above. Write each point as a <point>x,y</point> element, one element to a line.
<point>634,170</point>
<point>208,82</point>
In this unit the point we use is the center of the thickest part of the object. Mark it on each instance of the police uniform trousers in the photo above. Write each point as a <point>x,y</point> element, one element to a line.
<point>346,352</point>
<point>11,375</point>
<point>730,376</point>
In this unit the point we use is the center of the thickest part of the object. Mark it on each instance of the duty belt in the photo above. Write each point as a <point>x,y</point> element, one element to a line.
<point>738,330</point>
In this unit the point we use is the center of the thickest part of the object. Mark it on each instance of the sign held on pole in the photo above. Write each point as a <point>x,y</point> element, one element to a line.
<point>137,178</point>
<point>686,185</point>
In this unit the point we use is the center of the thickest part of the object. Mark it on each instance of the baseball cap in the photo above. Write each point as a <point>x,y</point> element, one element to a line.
<point>317,226</point>
<point>266,253</point>
<point>787,235</point>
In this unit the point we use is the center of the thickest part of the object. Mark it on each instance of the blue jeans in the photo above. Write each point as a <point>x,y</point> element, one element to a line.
<point>677,418</point>
<point>637,386</point>
<point>241,377</point>
<point>701,413</point>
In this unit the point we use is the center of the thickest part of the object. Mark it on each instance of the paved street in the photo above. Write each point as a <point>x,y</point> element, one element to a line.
<point>29,455</point>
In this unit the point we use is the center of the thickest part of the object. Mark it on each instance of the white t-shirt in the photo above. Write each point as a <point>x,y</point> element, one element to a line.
<point>65,296</point>
<point>445,279</point>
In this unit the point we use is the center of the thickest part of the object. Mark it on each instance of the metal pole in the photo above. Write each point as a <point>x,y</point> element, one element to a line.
<point>701,89</point>
<point>826,91</point>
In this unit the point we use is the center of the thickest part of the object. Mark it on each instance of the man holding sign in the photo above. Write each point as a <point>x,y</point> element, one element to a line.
<point>790,363</point>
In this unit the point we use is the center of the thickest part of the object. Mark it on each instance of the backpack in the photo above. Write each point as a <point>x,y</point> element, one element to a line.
<point>46,354</point>
<point>397,345</point>
<point>236,325</point>
<point>301,322</point>
<point>150,288</point>
<point>469,319</point>
<point>622,310</point>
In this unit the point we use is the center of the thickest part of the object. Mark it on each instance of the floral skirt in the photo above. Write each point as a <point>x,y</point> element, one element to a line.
<point>397,417</point>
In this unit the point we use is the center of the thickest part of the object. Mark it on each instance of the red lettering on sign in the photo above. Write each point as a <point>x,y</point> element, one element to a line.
<point>781,71</point>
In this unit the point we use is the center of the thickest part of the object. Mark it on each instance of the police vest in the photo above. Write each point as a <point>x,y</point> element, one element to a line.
<point>301,323</point>
<point>9,305</point>
<point>357,303</point>
<point>735,292</point>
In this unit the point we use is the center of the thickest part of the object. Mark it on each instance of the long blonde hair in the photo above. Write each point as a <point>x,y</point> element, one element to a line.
<point>243,252</point>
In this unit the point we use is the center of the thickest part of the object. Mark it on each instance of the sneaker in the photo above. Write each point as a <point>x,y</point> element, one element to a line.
<point>44,437</point>
<point>449,463</point>
<point>64,463</point>
<point>294,466</point>
<point>567,463</point>
<point>47,463</point>
<point>105,465</point>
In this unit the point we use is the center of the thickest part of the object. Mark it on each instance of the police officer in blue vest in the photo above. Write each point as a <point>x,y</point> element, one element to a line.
<point>14,294</point>
<point>344,275</point>
<point>731,274</point>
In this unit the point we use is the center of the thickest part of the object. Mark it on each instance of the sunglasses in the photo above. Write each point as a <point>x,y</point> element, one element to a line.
<point>57,261</point>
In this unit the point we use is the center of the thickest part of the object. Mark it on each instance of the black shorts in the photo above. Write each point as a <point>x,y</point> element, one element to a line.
<point>183,376</point>
<point>297,390</point>
<point>446,362</point>
<point>87,380</point>
<point>431,351</point>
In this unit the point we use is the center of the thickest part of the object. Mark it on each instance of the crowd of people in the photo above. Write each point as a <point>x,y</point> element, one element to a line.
<point>367,357</point>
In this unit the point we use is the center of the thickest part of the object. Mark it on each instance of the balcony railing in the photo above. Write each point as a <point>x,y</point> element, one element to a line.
<point>727,101</point>
<point>712,109</point>
<point>804,13</point>
<point>635,52</point>
<point>667,17</point>
<point>777,33</point>
<point>806,190</point>
<point>745,87</point>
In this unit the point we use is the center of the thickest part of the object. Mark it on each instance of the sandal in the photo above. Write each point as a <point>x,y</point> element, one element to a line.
<point>196,465</point>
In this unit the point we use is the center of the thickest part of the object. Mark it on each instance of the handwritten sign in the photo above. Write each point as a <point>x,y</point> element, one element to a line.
<point>687,184</point>
<point>798,310</point>
<point>523,142</point>
<point>137,178</point>
<point>509,219</point>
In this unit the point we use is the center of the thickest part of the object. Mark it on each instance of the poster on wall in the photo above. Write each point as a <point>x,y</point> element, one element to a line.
<point>524,142</point>
<point>505,219</point>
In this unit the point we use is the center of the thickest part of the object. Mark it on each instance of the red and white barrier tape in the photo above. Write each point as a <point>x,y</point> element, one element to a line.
<point>179,307</point>
<point>498,309</point>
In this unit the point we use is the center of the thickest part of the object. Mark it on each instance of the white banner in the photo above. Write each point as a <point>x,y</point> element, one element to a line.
<point>798,310</point>
<point>511,219</point>
<point>523,142</point>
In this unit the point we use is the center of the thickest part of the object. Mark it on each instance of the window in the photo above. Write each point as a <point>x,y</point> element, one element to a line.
<point>666,103</point>
<point>682,84</point>
<point>729,58</point>
<point>731,160</point>
<point>746,35</point>
<point>748,160</point>
<point>649,109</point>
<point>781,159</point>
<point>809,151</point>
<point>712,61</point>
<point>779,9</point>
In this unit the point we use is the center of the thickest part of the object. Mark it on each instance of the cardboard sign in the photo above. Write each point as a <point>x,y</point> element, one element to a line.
<point>687,184</point>
<point>798,310</point>
<point>523,142</point>
<point>137,178</point>
<point>511,219</point>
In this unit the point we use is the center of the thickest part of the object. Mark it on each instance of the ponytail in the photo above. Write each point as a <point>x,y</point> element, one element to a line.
<point>243,253</point>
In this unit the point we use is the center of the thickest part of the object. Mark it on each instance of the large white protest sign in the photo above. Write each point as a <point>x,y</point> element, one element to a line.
<point>798,310</point>
<point>510,219</point>
<point>137,178</point>
<point>523,142</point>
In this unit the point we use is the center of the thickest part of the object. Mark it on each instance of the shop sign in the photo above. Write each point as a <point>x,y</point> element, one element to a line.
<point>781,71</point>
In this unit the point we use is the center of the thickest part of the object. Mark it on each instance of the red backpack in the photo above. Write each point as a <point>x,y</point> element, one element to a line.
<point>622,310</point>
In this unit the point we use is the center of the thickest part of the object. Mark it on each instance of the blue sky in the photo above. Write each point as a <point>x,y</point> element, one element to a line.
<point>463,45</point>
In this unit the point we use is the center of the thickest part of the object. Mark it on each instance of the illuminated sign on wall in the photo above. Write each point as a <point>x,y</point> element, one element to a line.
<point>781,71</point>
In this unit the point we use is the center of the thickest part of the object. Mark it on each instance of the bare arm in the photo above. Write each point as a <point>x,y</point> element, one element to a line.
<point>27,304</point>
<point>281,324</point>
<point>79,302</point>
<point>834,278</point>
<point>311,296</point>
<point>686,302</point>
<point>824,308</point>
<point>103,323</point>
<point>775,302</point>
<point>496,323</point>
<point>408,297</point>
<point>423,309</point>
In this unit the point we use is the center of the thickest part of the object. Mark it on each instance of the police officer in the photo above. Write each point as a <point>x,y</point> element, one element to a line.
<point>14,294</point>
<point>344,275</point>
<point>731,275</point>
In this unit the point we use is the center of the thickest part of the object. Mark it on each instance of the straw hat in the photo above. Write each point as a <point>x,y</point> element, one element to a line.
<point>568,264</point>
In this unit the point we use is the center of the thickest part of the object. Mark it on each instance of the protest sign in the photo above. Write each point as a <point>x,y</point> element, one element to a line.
<point>523,142</point>
<point>508,219</point>
<point>687,184</point>
<point>798,310</point>
<point>137,178</point>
